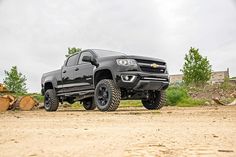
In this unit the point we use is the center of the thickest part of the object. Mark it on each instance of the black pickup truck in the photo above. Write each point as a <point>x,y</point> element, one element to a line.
<point>101,78</point>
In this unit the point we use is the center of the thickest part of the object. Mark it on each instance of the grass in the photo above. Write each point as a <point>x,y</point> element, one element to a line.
<point>130,103</point>
<point>77,105</point>
<point>38,97</point>
<point>176,96</point>
<point>174,100</point>
<point>123,103</point>
<point>189,102</point>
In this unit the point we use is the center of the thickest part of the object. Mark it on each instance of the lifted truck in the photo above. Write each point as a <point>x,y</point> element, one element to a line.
<point>101,78</point>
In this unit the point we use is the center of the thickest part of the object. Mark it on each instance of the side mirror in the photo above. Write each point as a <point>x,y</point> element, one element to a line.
<point>90,59</point>
<point>87,59</point>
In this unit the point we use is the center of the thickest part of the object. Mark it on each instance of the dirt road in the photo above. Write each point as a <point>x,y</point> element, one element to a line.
<point>199,131</point>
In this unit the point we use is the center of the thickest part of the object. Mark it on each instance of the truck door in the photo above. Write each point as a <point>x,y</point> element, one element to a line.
<point>68,71</point>
<point>84,75</point>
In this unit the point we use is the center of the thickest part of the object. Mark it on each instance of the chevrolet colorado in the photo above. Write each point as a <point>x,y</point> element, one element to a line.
<point>101,78</point>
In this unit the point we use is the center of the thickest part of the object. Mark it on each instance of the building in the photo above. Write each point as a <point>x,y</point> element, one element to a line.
<point>232,80</point>
<point>216,77</point>
<point>219,76</point>
<point>178,78</point>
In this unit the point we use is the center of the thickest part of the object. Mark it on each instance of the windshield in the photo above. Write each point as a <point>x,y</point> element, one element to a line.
<point>107,53</point>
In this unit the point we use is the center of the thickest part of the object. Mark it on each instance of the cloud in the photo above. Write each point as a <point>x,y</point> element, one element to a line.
<point>35,35</point>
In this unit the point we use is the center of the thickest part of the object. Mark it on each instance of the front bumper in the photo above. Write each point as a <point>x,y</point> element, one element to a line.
<point>143,81</point>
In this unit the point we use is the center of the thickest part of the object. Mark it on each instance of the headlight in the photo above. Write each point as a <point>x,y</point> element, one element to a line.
<point>126,62</point>
<point>166,71</point>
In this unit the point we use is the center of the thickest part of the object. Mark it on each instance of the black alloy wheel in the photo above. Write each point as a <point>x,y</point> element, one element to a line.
<point>107,95</point>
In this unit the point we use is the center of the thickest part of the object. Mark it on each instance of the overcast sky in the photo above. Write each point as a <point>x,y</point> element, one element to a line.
<point>35,34</point>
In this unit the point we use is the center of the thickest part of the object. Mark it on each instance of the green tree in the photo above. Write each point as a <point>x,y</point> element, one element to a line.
<point>15,81</point>
<point>196,69</point>
<point>72,51</point>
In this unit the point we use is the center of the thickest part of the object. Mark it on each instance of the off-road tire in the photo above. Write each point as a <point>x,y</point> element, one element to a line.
<point>157,102</point>
<point>51,101</point>
<point>114,95</point>
<point>89,104</point>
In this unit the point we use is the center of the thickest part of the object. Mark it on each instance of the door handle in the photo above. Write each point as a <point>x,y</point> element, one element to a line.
<point>76,69</point>
<point>65,78</point>
<point>64,71</point>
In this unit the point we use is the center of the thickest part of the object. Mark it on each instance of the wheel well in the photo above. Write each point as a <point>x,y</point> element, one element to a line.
<point>47,86</point>
<point>102,74</point>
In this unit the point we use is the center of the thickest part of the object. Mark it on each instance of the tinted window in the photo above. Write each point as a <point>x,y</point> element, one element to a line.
<point>107,53</point>
<point>72,60</point>
<point>82,55</point>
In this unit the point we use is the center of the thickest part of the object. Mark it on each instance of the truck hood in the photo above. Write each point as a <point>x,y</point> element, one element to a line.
<point>131,57</point>
<point>143,58</point>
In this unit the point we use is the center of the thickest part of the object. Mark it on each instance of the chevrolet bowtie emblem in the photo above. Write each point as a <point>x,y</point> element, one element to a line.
<point>154,65</point>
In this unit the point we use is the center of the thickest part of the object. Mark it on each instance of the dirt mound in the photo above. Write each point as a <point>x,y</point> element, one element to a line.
<point>212,91</point>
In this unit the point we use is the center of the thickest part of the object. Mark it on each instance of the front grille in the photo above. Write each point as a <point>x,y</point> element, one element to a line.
<point>146,66</point>
<point>150,62</point>
<point>152,70</point>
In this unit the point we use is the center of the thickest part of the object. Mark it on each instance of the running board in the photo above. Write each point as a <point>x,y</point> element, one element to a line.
<point>75,94</point>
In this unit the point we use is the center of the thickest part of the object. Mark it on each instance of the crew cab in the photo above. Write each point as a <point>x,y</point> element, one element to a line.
<point>101,78</point>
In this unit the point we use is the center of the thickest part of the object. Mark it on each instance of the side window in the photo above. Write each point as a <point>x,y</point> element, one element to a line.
<point>82,55</point>
<point>72,60</point>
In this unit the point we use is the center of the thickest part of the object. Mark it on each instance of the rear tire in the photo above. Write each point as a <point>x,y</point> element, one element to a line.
<point>89,104</point>
<point>156,101</point>
<point>51,101</point>
<point>107,95</point>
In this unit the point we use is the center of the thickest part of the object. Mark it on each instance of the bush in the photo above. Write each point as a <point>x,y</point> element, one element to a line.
<point>175,95</point>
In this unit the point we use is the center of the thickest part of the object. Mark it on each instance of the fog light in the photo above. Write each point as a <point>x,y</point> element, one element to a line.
<point>128,78</point>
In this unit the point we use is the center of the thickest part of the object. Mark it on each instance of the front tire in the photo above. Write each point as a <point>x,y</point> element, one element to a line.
<point>51,101</point>
<point>156,101</point>
<point>107,95</point>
